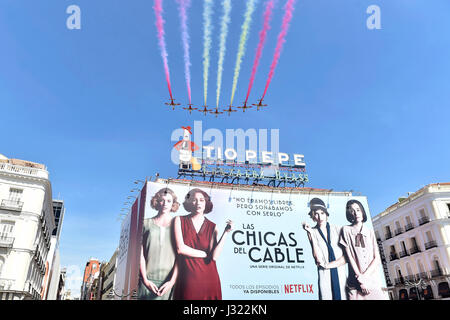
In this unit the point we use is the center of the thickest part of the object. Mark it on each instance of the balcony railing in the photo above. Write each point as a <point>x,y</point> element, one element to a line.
<point>410,278</point>
<point>414,250</point>
<point>424,220</point>
<point>6,242</point>
<point>423,276</point>
<point>6,284</point>
<point>409,226</point>
<point>398,231</point>
<point>40,173</point>
<point>403,253</point>
<point>430,244</point>
<point>12,205</point>
<point>393,256</point>
<point>436,273</point>
<point>399,281</point>
<point>388,235</point>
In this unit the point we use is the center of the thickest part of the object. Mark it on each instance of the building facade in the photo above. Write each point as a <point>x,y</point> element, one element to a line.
<point>414,238</point>
<point>89,285</point>
<point>61,294</point>
<point>26,225</point>
<point>108,275</point>
<point>53,259</point>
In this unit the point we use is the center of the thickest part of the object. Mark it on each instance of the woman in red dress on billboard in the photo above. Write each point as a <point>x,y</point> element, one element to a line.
<point>198,246</point>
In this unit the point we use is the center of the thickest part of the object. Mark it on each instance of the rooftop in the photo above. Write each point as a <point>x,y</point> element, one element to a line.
<point>430,188</point>
<point>23,167</point>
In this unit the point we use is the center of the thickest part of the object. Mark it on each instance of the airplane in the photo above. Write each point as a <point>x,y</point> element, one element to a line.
<point>205,110</point>
<point>190,108</point>
<point>245,106</point>
<point>259,104</point>
<point>172,103</point>
<point>216,112</point>
<point>230,109</point>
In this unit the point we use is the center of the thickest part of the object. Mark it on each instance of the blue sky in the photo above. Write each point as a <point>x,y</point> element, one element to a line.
<point>367,108</point>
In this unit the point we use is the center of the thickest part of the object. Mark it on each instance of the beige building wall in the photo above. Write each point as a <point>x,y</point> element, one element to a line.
<point>26,223</point>
<point>415,234</point>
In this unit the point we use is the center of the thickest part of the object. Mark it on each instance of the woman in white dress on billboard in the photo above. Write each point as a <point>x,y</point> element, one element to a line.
<point>328,255</point>
<point>360,245</point>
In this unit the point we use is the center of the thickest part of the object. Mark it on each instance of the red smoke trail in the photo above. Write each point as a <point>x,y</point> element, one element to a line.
<point>161,40</point>
<point>289,9</point>
<point>262,39</point>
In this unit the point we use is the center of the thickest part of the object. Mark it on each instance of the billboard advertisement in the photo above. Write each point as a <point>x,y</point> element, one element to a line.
<point>200,242</point>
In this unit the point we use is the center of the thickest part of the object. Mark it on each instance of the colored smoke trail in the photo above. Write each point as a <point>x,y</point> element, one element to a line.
<point>262,39</point>
<point>157,7</point>
<point>183,6</point>
<point>251,4</point>
<point>289,9</point>
<point>226,4</point>
<point>207,31</point>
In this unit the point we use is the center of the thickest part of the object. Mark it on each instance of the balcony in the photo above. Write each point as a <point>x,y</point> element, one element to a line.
<point>424,220</point>
<point>21,170</point>
<point>409,226</point>
<point>6,242</point>
<point>436,273</point>
<point>403,253</point>
<point>12,205</point>
<point>423,276</point>
<point>410,278</point>
<point>6,284</point>
<point>398,231</point>
<point>388,235</point>
<point>430,244</point>
<point>398,281</point>
<point>393,256</point>
<point>414,250</point>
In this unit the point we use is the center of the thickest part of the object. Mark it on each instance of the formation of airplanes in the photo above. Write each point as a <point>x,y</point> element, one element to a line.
<point>205,109</point>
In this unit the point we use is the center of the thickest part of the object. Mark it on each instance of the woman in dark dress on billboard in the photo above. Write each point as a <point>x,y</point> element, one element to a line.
<point>329,257</point>
<point>199,244</point>
<point>158,269</point>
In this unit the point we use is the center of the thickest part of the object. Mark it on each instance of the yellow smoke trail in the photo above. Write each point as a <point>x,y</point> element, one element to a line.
<point>251,4</point>
<point>226,4</point>
<point>207,30</point>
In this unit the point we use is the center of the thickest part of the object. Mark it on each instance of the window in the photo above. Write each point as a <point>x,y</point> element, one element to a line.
<point>414,246</point>
<point>404,251</point>
<point>6,228</point>
<point>388,232</point>
<point>15,194</point>
<point>422,213</point>
<point>421,269</point>
<point>423,218</point>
